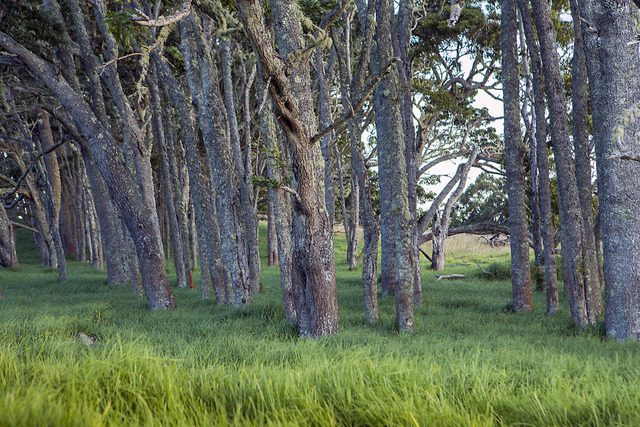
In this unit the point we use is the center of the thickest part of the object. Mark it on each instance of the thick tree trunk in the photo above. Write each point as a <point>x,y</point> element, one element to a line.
<point>614,67</point>
<point>397,253</point>
<point>327,141</point>
<point>542,157</point>
<point>514,161</point>
<point>313,273</point>
<point>579,263</point>
<point>122,187</point>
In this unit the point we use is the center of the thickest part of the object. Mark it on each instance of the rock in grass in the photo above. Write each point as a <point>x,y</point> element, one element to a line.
<point>85,339</point>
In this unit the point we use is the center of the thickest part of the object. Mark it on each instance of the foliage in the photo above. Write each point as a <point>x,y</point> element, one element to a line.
<point>485,200</point>
<point>469,361</point>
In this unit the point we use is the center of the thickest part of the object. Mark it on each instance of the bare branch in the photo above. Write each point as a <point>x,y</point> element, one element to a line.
<point>182,12</point>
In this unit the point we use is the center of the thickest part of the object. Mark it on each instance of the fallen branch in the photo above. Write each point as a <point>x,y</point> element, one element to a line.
<point>480,228</point>
<point>450,276</point>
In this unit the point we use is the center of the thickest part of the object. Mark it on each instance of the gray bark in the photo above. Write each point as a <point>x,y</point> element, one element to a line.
<point>542,157</point>
<point>249,214</point>
<point>579,263</point>
<point>397,254</point>
<point>280,202</point>
<point>202,75</point>
<point>614,67</point>
<point>8,257</point>
<point>514,153</point>
<point>203,209</point>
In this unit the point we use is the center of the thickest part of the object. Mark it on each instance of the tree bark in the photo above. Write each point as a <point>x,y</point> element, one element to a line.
<point>514,161</point>
<point>579,264</point>
<point>249,214</point>
<point>202,75</point>
<point>8,257</point>
<point>542,157</point>
<point>397,254</point>
<point>614,66</point>
<point>313,272</point>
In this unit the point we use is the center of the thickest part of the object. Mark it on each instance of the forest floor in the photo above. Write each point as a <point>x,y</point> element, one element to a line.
<point>469,362</point>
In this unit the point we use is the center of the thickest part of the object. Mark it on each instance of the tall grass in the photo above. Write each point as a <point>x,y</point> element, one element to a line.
<point>469,361</point>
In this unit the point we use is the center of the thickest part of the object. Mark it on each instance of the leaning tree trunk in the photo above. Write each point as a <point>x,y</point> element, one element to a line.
<point>542,157</point>
<point>579,264</point>
<point>614,67</point>
<point>514,161</point>
<point>123,189</point>
<point>397,255</point>
<point>313,273</point>
<point>8,257</point>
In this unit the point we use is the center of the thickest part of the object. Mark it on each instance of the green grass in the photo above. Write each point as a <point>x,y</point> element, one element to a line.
<point>469,361</point>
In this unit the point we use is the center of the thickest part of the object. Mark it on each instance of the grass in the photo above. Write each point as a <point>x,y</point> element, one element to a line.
<point>469,361</point>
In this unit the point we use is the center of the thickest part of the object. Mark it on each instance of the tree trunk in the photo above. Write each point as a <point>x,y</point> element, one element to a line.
<point>614,67</point>
<point>397,254</point>
<point>279,200</point>
<point>542,157</point>
<point>514,161</point>
<point>249,215</point>
<point>579,264</point>
<point>51,191</point>
<point>403,30</point>
<point>272,238</point>
<point>313,273</point>
<point>175,233</point>
<point>8,257</point>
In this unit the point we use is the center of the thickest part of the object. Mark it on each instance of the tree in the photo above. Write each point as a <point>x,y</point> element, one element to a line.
<point>614,66</point>
<point>514,157</point>
<point>578,244</point>
<point>395,224</point>
<point>313,273</point>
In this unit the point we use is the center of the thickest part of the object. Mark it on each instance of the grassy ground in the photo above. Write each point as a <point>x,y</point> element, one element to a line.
<point>469,362</point>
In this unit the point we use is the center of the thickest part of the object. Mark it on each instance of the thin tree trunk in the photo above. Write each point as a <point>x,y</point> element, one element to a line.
<point>580,266</point>
<point>514,161</point>
<point>542,157</point>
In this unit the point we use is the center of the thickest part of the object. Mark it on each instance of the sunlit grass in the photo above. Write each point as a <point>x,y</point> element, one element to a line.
<point>469,361</point>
